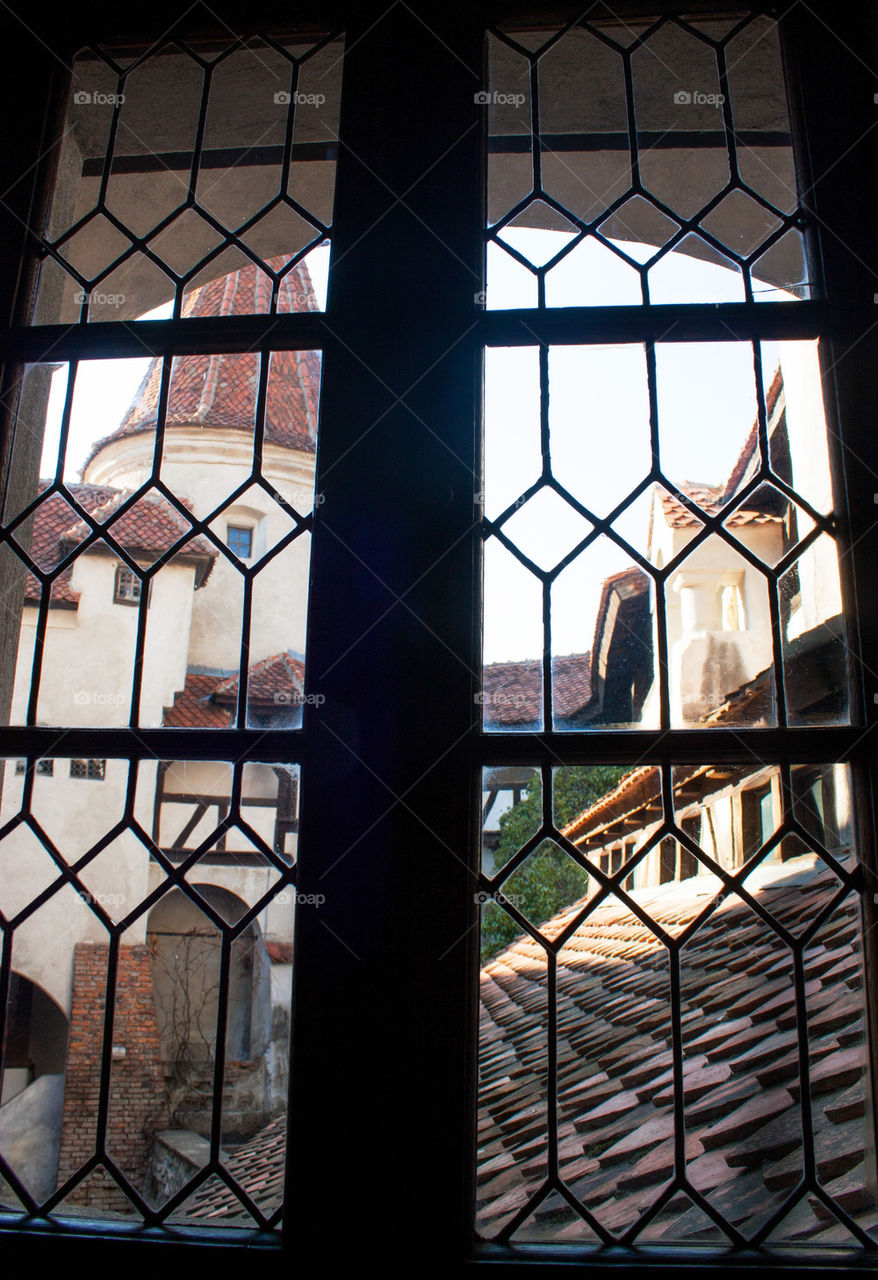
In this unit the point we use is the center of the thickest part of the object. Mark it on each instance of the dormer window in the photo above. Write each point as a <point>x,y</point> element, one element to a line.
<point>239,539</point>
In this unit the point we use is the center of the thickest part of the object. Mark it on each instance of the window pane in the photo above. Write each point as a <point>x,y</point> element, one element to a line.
<point>666,959</point>
<point>255,188</point>
<point>168,487</point>
<point>609,139</point>
<point>240,541</point>
<point>614,534</point>
<point>88,857</point>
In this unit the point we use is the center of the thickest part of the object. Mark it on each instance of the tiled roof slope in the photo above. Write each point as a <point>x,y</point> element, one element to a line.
<point>277,679</point>
<point>632,793</point>
<point>636,802</point>
<point>221,390</point>
<point>258,1166</point>
<point>51,519</point>
<point>514,690</point>
<point>208,701</point>
<point>711,499</point>
<point>146,530</point>
<point>750,449</point>
<point>740,1068</point>
<point>752,702</point>
<point>615,1092</point>
<point>193,708</point>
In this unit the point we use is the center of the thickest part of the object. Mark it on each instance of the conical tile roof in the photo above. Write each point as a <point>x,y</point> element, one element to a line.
<point>221,390</point>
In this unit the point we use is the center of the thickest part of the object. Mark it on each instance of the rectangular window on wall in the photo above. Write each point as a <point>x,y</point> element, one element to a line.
<point>670,1035</point>
<point>151,920</point>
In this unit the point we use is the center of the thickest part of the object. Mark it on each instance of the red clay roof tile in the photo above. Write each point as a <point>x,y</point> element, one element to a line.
<point>616,1150</point>
<point>146,531</point>
<point>513,691</point>
<point>275,680</point>
<point>259,1167</point>
<point>52,518</point>
<point>754,1134</point>
<point>193,708</point>
<point>711,499</point>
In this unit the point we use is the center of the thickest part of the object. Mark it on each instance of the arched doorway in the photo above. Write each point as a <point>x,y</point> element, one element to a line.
<point>186,950</point>
<point>34,1063</point>
<point>36,1037</point>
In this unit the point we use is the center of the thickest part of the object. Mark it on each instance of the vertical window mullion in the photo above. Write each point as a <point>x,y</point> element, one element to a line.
<point>839,152</point>
<point>380,1047</point>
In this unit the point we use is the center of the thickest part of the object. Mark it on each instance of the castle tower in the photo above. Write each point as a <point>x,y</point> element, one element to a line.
<point>208,456</point>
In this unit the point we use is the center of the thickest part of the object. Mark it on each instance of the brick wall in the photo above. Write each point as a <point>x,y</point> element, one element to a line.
<point>137,1087</point>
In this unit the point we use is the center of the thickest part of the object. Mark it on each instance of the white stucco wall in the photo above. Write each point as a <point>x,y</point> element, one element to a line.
<point>75,813</point>
<point>708,659</point>
<point>88,656</point>
<point>280,589</point>
<point>711,651</point>
<point>809,455</point>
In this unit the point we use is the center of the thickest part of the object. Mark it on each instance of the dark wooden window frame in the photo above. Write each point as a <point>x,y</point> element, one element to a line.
<point>380,1158</point>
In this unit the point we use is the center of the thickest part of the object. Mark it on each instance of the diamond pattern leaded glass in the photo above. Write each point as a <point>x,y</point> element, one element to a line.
<point>208,444</point>
<point>688,577</point>
<point>171,913</point>
<point>672,1035</point>
<point>181,165</point>
<point>646,1029</point>
<point>622,153</point>
<point>147,903</point>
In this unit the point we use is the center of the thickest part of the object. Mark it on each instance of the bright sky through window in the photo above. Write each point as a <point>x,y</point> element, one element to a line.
<point>598,419</point>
